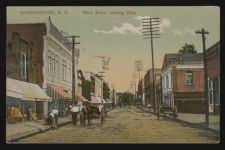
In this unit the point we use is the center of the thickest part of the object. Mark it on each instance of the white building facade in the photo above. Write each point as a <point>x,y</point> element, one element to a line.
<point>57,68</point>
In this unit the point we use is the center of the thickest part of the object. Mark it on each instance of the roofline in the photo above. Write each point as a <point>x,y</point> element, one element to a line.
<point>213,45</point>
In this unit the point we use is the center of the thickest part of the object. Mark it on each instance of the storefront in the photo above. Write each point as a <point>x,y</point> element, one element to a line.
<point>60,98</point>
<point>25,95</point>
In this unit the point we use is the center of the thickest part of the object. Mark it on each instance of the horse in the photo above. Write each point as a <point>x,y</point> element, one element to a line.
<point>91,112</point>
<point>85,113</point>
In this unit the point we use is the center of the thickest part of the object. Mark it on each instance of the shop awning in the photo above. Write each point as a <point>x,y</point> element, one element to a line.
<point>95,100</point>
<point>30,91</point>
<point>12,90</point>
<point>80,97</point>
<point>60,91</point>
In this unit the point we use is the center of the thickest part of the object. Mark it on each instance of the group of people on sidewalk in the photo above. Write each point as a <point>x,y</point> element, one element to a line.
<point>78,112</point>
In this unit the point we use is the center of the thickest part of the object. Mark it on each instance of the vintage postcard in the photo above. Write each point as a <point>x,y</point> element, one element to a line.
<point>113,74</point>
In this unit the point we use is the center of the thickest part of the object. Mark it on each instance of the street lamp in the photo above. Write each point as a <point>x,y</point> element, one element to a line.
<point>203,32</point>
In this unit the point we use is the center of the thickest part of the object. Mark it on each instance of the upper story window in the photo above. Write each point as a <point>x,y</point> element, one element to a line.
<point>23,64</point>
<point>167,81</point>
<point>49,62</point>
<point>57,66</point>
<point>70,73</point>
<point>189,78</point>
<point>64,69</point>
<point>53,64</point>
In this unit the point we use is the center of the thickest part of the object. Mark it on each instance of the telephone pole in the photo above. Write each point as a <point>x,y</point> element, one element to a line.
<point>74,52</point>
<point>203,32</point>
<point>135,97</point>
<point>150,27</point>
<point>138,67</point>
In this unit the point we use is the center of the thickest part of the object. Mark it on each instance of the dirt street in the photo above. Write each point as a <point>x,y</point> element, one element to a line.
<point>124,125</point>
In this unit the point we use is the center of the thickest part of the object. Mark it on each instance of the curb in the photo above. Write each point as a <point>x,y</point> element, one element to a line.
<point>17,137</point>
<point>195,125</point>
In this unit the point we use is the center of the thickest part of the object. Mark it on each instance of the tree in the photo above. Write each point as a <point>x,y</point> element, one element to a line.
<point>106,90</point>
<point>86,89</point>
<point>187,48</point>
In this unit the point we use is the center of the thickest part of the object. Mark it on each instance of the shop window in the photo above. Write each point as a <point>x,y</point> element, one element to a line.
<point>23,65</point>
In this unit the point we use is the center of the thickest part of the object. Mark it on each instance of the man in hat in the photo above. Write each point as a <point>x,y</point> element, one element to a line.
<point>56,113</point>
<point>74,111</point>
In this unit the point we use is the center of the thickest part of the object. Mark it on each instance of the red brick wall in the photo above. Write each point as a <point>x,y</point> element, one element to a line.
<point>213,61</point>
<point>179,80</point>
<point>190,106</point>
<point>31,33</point>
<point>39,110</point>
<point>187,102</point>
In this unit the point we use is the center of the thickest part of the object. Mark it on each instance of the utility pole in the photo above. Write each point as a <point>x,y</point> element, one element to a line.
<point>134,76</point>
<point>150,27</point>
<point>203,32</point>
<point>138,66</point>
<point>74,50</point>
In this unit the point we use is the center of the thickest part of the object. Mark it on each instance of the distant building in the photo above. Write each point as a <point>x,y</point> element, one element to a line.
<point>113,97</point>
<point>80,80</point>
<point>141,93</point>
<point>183,82</point>
<point>96,87</point>
<point>213,70</point>
<point>148,85</point>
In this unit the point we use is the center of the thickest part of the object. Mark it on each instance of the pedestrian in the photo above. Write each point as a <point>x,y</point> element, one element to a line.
<point>52,119</point>
<point>56,114</point>
<point>74,110</point>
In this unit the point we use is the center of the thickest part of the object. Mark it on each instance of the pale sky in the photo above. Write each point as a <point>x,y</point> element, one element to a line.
<point>118,35</point>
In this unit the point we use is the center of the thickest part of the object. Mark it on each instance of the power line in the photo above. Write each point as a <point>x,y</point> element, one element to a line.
<point>150,27</point>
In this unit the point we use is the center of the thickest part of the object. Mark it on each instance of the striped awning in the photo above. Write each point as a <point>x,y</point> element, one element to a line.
<point>95,100</point>
<point>59,90</point>
<point>80,97</point>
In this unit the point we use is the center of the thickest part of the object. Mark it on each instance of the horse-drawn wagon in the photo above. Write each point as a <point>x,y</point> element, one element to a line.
<point>165,109</point>
<point>91,112</point>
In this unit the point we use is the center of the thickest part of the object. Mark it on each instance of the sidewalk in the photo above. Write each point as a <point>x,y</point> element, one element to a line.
<point>28,128</point>
<point>194,119</point>
<point>20,130</point>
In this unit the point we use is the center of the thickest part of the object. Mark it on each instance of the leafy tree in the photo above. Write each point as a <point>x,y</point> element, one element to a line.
<point>86,89</point>
<point>187,48</point>
<point>106,90</point>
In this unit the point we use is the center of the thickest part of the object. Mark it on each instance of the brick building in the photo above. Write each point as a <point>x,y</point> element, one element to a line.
<point>148,85</point>
<point>20,64</point>
<point>183,82</point>
<point>52,59</point>
<point>21,73</point>
<point>213,71</point>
